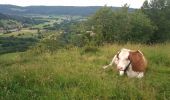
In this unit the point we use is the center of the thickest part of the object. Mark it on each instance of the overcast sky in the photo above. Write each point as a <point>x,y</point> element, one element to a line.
<point>118,3</point>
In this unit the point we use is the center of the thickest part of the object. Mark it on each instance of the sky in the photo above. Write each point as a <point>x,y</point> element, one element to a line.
<point>117,3</point>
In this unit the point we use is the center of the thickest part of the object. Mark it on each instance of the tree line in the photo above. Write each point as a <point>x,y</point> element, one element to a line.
<point>150,24</point>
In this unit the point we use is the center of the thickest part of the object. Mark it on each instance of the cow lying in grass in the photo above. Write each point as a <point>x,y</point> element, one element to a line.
<point>131,62</point>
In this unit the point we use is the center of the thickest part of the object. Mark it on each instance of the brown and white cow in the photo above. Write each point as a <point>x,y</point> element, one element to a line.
<point>131,62</point>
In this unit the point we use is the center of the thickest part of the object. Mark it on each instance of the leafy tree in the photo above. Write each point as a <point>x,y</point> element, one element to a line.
<point>121,26</point>
<point>159,12</point>
<point>102,23</point>
<point>142,28</point>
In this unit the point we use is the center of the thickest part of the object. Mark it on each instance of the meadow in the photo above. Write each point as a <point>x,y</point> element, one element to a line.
<point>23,33</point>
<point>76,74</point>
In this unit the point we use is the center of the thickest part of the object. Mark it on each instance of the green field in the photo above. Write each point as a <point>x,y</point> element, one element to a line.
<point>77,74</point>
<point>55,19</point>
<point>25,32</point>
<point>17,41</point>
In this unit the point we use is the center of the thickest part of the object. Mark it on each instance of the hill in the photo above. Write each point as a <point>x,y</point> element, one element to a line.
<point>76,74</point>
<point>3,16</point>
<point>24,20</point>
<point>51,10</point>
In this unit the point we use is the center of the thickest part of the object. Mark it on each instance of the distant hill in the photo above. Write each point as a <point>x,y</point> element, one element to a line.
<point>20,18</point>
<point>3,16</point>
<point>51,10</point>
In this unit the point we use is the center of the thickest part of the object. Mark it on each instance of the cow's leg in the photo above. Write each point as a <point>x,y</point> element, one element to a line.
<point>121,73</point>
<point>140,75</point>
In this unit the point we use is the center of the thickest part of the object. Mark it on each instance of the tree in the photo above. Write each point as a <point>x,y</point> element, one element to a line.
<point>142,28</point>
<point>102,23</point>
<point>121,26</point>
<point>159,12</point>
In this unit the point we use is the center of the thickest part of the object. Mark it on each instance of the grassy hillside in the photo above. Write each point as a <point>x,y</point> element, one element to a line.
<point>76,73</point>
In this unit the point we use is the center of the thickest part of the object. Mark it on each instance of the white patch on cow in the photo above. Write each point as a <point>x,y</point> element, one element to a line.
<point>131,73</point>
<point>123,59</point>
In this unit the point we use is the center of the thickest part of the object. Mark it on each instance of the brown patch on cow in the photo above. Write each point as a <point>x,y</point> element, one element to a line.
<point>138,61</point>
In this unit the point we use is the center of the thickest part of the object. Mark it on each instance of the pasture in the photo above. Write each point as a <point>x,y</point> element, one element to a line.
<point>76,73</point>
<point>17,41</point>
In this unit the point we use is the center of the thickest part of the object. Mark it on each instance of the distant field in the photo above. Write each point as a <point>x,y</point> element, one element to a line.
<point>22,33</point>
<point>56,19</point>
<point>76,73</point>
<point>17,41</point>
<point>51,22</point>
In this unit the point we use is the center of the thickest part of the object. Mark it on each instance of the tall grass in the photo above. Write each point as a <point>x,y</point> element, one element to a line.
<point>76,73</point>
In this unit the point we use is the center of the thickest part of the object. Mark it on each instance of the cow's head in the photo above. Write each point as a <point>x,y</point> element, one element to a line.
<point>122,60</point>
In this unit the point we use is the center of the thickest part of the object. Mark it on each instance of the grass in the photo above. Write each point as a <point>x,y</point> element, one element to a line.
<point>76,73</point>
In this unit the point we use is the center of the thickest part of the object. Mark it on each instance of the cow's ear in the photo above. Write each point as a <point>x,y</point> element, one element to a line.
<point>137,61</point>
<point>115,59</point>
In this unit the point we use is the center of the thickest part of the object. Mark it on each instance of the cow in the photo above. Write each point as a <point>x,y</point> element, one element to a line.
<point>131,62</point>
